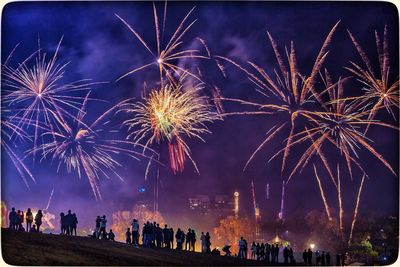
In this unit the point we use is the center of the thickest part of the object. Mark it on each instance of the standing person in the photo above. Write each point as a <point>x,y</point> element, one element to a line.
<point>178,237</point>
<point>21,221</point>
<point>291,256</point>
<point>267,252</point>
<point>203,242</point>
<point>273,253</point>
<point>241,246</point>
<point>74,224</point>
<point>338,259</point>
<point>68,222</point>
<point>29,219</point>
<point>38,220</point>
<point>208,242</point>
<point>305,257</point>
<point>159,236</point>
<point>135,233</point>
<point>277,253</point>
<point>253,249</point>
<point>309,257</point>
<point>323,259</point>
<point>245,248</point>
<point>98,222</point>
<point>128,236</point>
<point>63,223</point>
<point>171,237</point>
<point>188,239</point>
<point>286,255</point>
<point>317,258</point>
<point>103,225</point>
<point>328,259</point>
<point>166,236</point>
<point>12,218</point>
<point>258,250</point>
<point>193,241</point>
<point>262,252</point>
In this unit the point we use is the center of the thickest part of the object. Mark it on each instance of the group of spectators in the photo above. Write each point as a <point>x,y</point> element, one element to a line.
<point>100,229</point>
<point>323,259</point>
<point>17,218</point>
<point>270,253</point>
<point>69,223</point>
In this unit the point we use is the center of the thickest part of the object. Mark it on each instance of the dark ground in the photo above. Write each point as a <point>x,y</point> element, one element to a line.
<point>20,248</point>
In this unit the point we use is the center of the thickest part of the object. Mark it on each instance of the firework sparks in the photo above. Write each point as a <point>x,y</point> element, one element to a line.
<point>292,90</point>
<point>165,56</point>
<point>169,114</point>
<point>356,208</point>
<point>84,148</point>
<point>341,125</point>
<point>379,92</point>
<point>322,194</point>
<point>36,94</point>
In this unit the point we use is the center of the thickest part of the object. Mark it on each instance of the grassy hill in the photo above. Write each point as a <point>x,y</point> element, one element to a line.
<point>20,248</point>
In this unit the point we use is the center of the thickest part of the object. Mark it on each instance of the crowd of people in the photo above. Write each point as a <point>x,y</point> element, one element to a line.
<point>155,236</point>
<point>323,259</point>
<point>17,218</point>
<point>69,223</point>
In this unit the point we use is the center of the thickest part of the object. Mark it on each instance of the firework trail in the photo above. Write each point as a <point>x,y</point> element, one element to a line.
<point>379,92</point>
<point>86,147</point>
<point>292,90</point>
<point>170,114</point>
<point>48,203</point>
<point>9,132</point>
<point>164,56</point>
<point>356,209</point>
<point>36,93</point>
<point>322,194</point>
<point>280,215</point>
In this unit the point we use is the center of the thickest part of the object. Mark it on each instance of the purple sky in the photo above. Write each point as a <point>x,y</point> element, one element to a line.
<point>101,48</point>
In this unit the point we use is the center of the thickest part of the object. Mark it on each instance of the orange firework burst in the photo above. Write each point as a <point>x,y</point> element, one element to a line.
<point>291,89</point>
<point>170,113</point>
<point>379,92</point>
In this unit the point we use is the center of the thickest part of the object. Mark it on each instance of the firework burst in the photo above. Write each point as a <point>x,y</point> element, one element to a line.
<point>291,90</point>
<point>379,92</point>
<point>166,55</point>
<point>36,93</point>
<point>88,148</point>
<point>170,114</point>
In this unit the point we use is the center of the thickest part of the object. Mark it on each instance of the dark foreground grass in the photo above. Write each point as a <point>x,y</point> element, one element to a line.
<point>20,248</point>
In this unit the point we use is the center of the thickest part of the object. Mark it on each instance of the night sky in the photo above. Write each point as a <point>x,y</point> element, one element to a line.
<point>101,48</point>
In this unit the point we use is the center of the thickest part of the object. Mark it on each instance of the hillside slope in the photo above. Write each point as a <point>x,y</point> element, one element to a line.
<point>20,248</point>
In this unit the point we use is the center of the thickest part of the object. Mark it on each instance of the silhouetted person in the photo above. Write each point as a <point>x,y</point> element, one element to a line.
<point>135,233</point>
<point>74,224</point>
<point>12,218</point>
<point>277,253</point>
<point>38,220</point>
<point>178,237</point>
<point>317,258</point>
<point>21,220</point>
<point>63,223</point>
<point>253,249</point>
<point>273,251</point>
<point>309,257</point>
<point>291,256</point>
<point>337,259</point>
<point>267,252</point>
<point>193,240</point>
<point>203,242</point>
<point>188,239</point>
<point>208,242</point>
<point>262,251</point>
<point>241,246</point>
<point>286,255</point>
<point>305,257</point>
<point>103,225</point>
<point>159,236</point>
<point>111,235</point>
<point>29,219</point>
<point>128,236</point>
<point>323,259</point>
<point>68,222</point>
<point>328,259</point>
<point>98,222</point>
<point>171,237</point>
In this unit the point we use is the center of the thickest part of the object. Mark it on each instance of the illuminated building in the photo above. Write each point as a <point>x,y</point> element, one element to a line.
<point>200,204</point>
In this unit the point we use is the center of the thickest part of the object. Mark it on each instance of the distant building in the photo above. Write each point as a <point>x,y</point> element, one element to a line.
<point>200,204</point>
<point>224,205</point>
